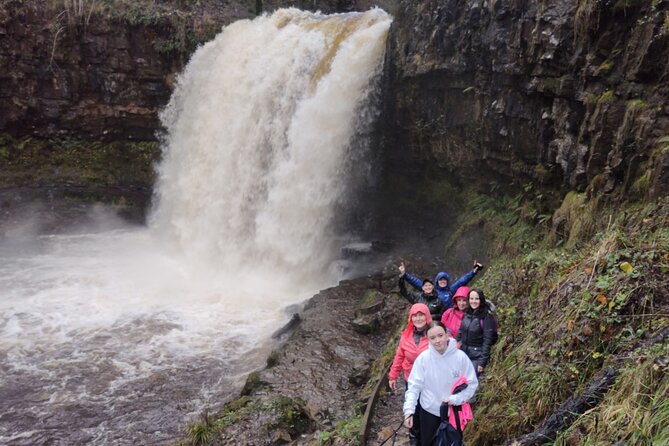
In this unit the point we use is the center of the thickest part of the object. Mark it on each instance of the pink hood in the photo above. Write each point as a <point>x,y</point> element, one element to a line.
<point>418,308</point>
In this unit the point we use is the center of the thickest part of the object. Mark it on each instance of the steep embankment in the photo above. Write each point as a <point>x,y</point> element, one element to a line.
<point>538,133</point>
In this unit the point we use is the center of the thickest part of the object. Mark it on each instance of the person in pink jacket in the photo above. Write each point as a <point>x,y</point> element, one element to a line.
<point>452,318</point>
<point>413,341</point>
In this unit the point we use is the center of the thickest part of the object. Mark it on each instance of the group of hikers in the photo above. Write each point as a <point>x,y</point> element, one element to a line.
<point>445,347</point>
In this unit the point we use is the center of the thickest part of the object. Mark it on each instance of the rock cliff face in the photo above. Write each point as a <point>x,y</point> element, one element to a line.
<point>561,94</point>
<point>569,94</point>
<point>106,73</point>
<point>95,73</point>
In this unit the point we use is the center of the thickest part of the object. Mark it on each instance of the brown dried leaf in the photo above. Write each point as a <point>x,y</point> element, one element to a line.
<point>601,298</point>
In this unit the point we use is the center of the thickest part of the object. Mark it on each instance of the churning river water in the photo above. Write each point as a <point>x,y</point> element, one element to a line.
<point>120,334</point>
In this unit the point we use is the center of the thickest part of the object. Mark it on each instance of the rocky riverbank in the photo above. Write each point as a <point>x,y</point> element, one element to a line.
<point>316,386</point>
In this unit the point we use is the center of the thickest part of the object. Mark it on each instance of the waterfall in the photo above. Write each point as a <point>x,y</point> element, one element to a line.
<point>121,334</point>
<point>259,154</point>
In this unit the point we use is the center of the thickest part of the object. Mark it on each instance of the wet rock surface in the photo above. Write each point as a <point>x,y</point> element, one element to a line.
<point>565,94</point>
<point>324,365</point>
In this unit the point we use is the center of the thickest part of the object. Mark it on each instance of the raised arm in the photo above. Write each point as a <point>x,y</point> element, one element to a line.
<point>466,278</point>
<point>409,295</point>
<point>414,281</point>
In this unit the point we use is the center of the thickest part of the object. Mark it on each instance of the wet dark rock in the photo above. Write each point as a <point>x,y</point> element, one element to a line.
<point>372,307</point>
<point>323,364</point>
<point>359,374</point>
<point>539,92</point>
<point>366,324</point>
<point>288,328</point>
<point>281,437</point>
<point>253,383</point>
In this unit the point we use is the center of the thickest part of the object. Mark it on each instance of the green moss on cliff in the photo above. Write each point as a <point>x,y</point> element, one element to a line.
<point>76,162</point>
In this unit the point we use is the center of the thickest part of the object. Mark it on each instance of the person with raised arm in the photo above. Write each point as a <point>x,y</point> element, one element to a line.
<point>442,283</point>
<point>426,296</point>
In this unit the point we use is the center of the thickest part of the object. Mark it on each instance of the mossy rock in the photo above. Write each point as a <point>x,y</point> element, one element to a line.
<point>292,416</point>
<point>573,221</point>
<point>371,302</point>
<point>253,383</point>
<point>273,358</point>
<point>239,403</point>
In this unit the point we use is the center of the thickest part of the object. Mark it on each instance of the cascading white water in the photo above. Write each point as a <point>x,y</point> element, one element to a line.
<point>120,334</point>
<point>259,131</point>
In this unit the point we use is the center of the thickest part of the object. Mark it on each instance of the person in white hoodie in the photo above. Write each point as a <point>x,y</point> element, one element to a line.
<point>432,377</point>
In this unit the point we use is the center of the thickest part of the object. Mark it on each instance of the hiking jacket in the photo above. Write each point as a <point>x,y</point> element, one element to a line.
<point>407,350</point>
<point>433,302</point>
<point>433,375</point>
<point>464,412</point>
<point>452,319</point>
<point>476,336</point>
<point>445,293</point>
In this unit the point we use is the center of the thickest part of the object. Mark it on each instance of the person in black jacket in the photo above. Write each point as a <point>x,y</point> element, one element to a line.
<point>427,296</point>
<point>477,331</point>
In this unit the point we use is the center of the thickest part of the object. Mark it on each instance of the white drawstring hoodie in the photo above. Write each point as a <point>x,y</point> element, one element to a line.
<point>433,375</point>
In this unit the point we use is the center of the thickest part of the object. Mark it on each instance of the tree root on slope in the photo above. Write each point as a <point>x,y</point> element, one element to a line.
<point>575,406</point>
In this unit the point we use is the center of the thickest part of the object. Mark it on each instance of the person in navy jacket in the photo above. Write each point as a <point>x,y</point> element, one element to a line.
<point>442,283</point>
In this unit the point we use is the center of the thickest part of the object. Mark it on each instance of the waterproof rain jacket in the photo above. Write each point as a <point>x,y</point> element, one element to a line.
<point>464,412</point>
<point>452,318</point>
<point>433,302</point>
<point>433,375</point>
<point>476,336</point>
<point>407,350</point>
<point>445,293</point>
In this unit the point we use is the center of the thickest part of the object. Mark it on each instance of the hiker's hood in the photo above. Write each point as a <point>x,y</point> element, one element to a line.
<point>461,380</point>
<point>419,308</point>
<point>463,291</point>
<point>440,275</point>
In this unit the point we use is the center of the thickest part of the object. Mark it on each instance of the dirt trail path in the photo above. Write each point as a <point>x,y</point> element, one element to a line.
<point>387,419</point>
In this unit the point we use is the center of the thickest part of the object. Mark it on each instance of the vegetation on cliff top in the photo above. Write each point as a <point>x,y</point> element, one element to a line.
<point>184,24</point>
